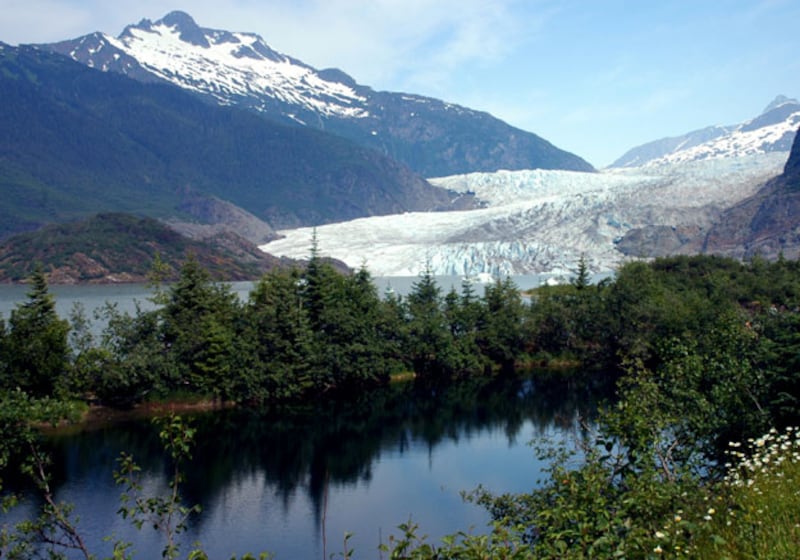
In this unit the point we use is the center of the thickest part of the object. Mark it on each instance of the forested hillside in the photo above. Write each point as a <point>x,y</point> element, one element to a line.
<point>112,248</point>
<point>77,141</point>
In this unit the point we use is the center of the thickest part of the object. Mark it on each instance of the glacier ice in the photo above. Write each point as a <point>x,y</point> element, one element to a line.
<point>538,221</point>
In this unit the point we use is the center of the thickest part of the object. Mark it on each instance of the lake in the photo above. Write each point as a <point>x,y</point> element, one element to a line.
<point>293,481</point>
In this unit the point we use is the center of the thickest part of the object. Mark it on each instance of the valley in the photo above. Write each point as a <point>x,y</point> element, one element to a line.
<point>541,222</point>
<point>214,133</point>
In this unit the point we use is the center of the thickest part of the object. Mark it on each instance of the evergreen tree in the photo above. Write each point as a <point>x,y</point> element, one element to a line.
<point>430,344</point>
<point>501,331</point>
<point>198,329</point>
<point>279,339</point>
<point>361,335</point>
<point>583,279</point>
<point>393,331</point>
<point>37,352</point>
<point>464,313</point>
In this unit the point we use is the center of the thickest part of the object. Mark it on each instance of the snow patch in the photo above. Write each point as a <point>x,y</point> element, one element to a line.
<point>221,70</point>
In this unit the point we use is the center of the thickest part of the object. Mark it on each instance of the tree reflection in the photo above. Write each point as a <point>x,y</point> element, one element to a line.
<point>313,447</point>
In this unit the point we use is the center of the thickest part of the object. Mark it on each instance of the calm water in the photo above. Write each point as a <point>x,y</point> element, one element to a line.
<point>293,481</point>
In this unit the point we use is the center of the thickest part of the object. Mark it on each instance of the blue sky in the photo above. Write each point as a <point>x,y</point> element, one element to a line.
<point>595,77</point>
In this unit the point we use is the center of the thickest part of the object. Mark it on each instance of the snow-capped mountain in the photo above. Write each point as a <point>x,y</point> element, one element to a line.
<point>772,131</point>
<point>230,67</point>
<point>542,221</point>
<point>431,136</point>
<point>76,141</point>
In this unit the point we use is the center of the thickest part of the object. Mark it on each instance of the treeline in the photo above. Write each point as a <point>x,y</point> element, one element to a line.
<point>702,351</point>
<point>312,331</point>
<point>300,333</point>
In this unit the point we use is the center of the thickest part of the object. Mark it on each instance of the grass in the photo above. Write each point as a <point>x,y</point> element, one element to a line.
<point>754,513</point>
<point>762,518</point>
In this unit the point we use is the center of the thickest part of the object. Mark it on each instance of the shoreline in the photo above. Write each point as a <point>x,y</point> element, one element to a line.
<point>99,416</point>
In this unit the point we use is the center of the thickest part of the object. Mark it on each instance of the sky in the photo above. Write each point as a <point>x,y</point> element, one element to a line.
<point>594,77</point>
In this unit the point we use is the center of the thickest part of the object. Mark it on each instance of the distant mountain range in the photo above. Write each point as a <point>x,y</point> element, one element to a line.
<point>243,147</point>
<point>731,192</point>
<point>772,131</point>
<point>433,137</point>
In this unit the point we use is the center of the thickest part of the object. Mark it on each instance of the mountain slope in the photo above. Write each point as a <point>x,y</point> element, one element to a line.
<point>772,131</point>
<point>77,141</point>
<point>110,248</point>
<point>433,137</point>
<point>768,223</point>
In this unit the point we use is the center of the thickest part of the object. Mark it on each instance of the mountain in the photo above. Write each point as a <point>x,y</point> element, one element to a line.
<point>772,131</point>
<point>432,137</point>
<point>767,223</point>
<point>111,248</point>
<point>77,141</point>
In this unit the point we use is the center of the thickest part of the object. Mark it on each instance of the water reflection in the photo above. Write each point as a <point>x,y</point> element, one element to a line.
<point>273,479</point>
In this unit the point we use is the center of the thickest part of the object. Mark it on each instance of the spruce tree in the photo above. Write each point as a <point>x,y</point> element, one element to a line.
<point>198,322</point>
<point>430,343</point>
<point>37,351</point>
<point>279,339</point>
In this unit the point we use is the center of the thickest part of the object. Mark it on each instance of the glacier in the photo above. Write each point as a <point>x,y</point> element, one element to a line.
<point>538,221</point>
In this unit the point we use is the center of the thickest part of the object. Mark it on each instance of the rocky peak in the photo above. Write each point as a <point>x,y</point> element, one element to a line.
<point>778,101</point>
<point>190,32</point>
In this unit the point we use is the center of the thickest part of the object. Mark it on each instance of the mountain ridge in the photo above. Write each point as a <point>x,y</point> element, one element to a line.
<point>78,141</point>
<point>433,137</point>
<point>771,131</point>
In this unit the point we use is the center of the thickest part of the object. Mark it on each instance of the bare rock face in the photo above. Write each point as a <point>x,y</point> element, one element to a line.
<point>658,241</point>
<point>213,217</point>
<point>767,224</point>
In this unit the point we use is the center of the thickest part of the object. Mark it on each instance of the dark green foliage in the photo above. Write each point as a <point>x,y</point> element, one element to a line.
<point>198,331</point>
<point>343,313</point>
<point>5,375</point>
<point>713,331</point>
<point>500,334</point>
<point>131,363</point>
<point>18,413</point>
<point>35,348</point>
<point>280,339</point>
<point>570,323</point>
<point>706,351</point>
<point>581,281</point>
<point>464,313</point>
<point>431,347</point>
<point>778,334</point>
